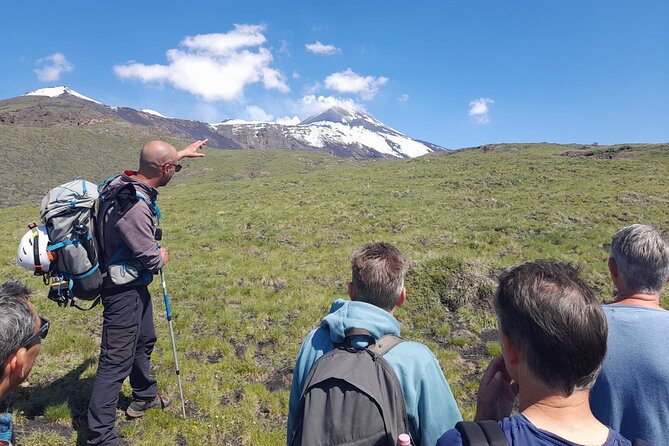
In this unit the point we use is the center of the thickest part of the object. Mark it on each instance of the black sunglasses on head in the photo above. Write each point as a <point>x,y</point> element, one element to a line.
<point>41,333</point>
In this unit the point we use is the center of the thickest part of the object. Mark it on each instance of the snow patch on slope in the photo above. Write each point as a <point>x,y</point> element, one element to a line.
<point>153,112</point>
<point>392,142</point>
<point>54,92</point>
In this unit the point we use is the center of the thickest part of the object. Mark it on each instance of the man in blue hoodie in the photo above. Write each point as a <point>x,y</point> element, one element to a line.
<point>376,290</point>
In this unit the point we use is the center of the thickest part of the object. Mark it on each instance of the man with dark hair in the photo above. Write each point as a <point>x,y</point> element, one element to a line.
<point>553,336</point>
<point>632,392</point>
<point>376,290</point>
<point>21,332</point>
<point>128,219</point>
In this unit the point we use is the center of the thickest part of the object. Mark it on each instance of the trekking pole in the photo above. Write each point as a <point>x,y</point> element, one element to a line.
<point>174,346</point>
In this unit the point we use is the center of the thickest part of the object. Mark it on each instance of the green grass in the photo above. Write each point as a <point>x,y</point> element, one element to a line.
<point>59,412</point>
<point>260,244</point>
<point>493,348</point>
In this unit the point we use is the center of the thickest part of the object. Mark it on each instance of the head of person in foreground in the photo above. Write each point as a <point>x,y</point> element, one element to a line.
<point>21,331</point>
<point>377,276</point>
<point>639,262</point>
<point>553,330</point>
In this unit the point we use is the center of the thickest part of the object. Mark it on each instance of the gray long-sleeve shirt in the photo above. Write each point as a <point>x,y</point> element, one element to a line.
<point>132,235</point>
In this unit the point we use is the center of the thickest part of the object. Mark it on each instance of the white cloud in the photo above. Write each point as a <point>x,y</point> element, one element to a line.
<point>348,81</point>
<point>479,110</point>
<point>213,67</point>
<point>319,48</point>
<point>51,67</point>
<point>403,98</point>
<point>243,36</point>
<point>288,121</point>
<point>311,89</point>
<point>296,75</point>
<point>255,113</point>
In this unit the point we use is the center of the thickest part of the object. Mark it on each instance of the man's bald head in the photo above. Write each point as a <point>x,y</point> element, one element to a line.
<point>154,155</point>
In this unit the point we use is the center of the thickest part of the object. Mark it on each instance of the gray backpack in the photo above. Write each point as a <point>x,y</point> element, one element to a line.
<point>352,397</point>
<point>68,212</point>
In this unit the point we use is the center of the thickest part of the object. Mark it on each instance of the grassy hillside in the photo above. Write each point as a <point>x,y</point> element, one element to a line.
<point>260,245</point>
<point>35,159</point>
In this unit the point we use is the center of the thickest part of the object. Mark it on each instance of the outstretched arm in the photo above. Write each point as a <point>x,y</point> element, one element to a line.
<point>192,150</point>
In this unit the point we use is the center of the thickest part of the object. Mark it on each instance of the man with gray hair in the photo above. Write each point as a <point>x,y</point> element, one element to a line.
<point>21,332</point>
<point>632,392</point>
<point>376,290</point>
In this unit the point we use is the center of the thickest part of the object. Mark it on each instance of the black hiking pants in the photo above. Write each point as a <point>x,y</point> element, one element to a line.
<point>128,337</point>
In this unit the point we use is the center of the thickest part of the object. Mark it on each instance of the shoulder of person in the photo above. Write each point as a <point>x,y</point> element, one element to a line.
<point>413,349</point>
<point>450,438</point>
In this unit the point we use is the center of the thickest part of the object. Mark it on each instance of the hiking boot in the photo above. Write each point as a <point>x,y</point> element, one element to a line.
<point>137,407</point>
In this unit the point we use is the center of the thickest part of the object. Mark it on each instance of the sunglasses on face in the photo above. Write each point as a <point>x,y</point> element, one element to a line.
<point>177,167</point>
<point>41,333</point>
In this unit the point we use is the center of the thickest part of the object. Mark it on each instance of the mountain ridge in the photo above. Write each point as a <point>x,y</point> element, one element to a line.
<point>337,131</point>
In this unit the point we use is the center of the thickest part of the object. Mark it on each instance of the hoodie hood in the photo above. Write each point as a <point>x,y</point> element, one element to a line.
<point>126,178</point>
<point>346,314</point>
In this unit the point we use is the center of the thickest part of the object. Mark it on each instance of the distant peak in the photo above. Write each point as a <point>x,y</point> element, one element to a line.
<point>336,113</point>
<point>54,92</point>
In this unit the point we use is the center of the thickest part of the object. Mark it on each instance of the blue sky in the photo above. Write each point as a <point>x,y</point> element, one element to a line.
<point>455,73</point>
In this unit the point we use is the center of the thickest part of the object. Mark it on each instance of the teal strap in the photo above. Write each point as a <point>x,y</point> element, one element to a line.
<point>151,203</point>
<point>87,273</point>
<point>67,243</point>
<point>116,255</point>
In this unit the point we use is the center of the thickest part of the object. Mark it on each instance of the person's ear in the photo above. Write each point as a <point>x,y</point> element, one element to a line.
<point>22,364</point>
<point>13,367</point>
<point>401,298</point>
<point>613,269</point>
<point>351,290</point>
<point>511,352</point>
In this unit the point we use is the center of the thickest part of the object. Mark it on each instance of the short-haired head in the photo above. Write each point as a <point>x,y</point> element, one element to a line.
<point>641,254</point>
<point>552,317</point>
<point>153,158</point>
<point>17,318</point>
<point>378,274</point>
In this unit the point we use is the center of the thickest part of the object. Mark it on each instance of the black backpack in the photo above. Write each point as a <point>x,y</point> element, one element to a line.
<point>352,397</point>
<point>481,433</point>
<point>488,433</point>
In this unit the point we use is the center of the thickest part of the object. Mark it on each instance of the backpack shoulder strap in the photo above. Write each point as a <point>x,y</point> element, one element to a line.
<point>481,433</point>
<point>379,346</point>
<point>384,344</point>
<point>125,198</point>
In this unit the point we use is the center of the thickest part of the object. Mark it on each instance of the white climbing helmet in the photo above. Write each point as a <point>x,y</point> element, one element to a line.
<point>26,253</point>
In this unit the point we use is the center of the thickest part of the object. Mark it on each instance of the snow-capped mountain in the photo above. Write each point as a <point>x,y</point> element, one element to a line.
<point>336,130</point>
<point>347,133</point>
<point>54,92</point>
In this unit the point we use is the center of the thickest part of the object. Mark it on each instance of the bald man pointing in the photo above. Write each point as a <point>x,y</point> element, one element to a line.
<point>128,232</point>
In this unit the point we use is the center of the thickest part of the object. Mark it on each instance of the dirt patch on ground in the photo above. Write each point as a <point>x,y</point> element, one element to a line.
<point>41,425</point>
<point>455,283</point>
<point>601,153</point>
<point>640,198</point>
